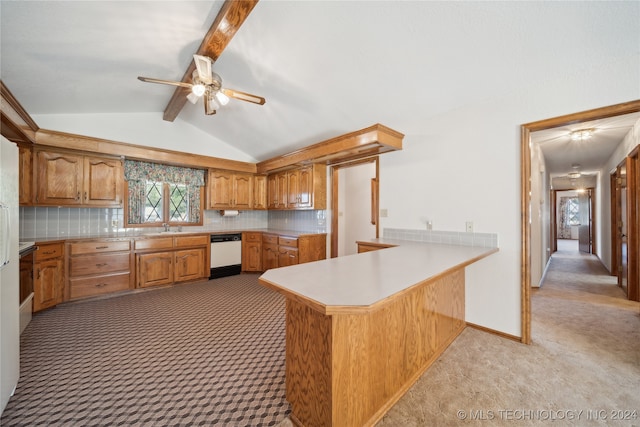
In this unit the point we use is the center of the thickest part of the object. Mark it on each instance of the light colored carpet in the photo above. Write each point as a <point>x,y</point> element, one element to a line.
<point>582,369</point>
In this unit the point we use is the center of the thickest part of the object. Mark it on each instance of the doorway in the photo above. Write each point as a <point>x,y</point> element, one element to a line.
<point>572,218</point>
<point>354,205</point>
<point>526,198</point>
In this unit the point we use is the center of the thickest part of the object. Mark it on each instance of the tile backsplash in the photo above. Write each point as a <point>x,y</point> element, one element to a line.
<point>61,222</point>
<point>485,240</point>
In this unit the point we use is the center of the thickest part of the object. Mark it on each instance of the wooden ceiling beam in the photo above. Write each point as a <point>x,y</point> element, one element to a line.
<point>231,16</point>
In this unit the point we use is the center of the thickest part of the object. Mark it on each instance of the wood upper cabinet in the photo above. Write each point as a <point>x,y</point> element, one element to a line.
<point>260,192</point>
<point>103,181</point>
<point>302,188</point>
<point>74,179</point>
<point>48,275</point>
<point>25,174</point>
<point>230,190</point>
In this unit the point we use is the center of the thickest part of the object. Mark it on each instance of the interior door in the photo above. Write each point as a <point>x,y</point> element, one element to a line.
<point>584,229</point>
<point>621,221</point>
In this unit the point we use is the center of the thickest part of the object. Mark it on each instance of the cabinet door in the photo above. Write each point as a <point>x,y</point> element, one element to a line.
<point>242,195</point>
<point>103,181</point>
<point>305,187</point>
<point>47,283</point>
<point>189,264</point>
<point>154,269</point>
<point>25,175</point>
<point>251,256</point>
<point>220,190</point>
<point>59,178</point>
<point>282,194</point>
<point>293,189</point>
<point>260,192</point>
<point>287,256</point>
<point>269,256</point>
<point>272,191</point>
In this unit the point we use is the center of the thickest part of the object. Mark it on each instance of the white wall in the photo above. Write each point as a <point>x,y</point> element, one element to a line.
<point>467,168</point>
<point>142,129</point>
<point>630,141</point>
<point>355,206</point>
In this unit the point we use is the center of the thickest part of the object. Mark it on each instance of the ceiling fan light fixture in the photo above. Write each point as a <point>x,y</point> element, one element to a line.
<point>198,89</point>
<point>581,134</point>
<point>222,98</point>
<point>574,175</point>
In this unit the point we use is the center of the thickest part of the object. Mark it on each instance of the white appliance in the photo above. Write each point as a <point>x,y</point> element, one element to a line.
<point>9,272</point>
<point>226,255</point>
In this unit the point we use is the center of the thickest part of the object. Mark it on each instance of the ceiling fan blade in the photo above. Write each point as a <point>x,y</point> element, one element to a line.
<point>203,65</point>
<point>164,82</point>
<point>243,96</point>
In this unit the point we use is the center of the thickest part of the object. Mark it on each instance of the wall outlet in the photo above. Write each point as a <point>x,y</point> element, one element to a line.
<point>429,225</point>
<point>469,226</point>
<point>114,222</point>
<point>384,213</point>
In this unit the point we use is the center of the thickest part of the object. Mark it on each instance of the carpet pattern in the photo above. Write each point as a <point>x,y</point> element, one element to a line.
<point>208,353</point>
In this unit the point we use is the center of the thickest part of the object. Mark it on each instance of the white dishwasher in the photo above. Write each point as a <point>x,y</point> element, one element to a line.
<point>226,255</point>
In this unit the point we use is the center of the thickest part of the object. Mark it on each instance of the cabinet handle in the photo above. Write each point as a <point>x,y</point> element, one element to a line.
<point>48,252</point>
<point>102,264</point>
<point>101,285</point>
<point>85,196</point>
<point>102,247</point>
<point>78,196</point>
<point>39,271</point>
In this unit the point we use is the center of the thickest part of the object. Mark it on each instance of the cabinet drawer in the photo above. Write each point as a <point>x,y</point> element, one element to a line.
<point>160,243</point>
<point>252,237</point>
<point>99,247</point>
<point>270,238</point>
<point>97,264</point>
<point>186,241</point>
<point>98,285</point>
<point>288,241</point>
<point>49,251</point>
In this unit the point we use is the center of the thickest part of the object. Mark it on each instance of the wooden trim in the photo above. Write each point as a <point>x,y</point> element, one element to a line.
<point>17,125</point>
<point>494,332</point>
<point>613,223</point>
<point>137,152</point>
<point>525,187</point>
<point>335,194</point>
<point>231,16</point>
<point>376,139</point>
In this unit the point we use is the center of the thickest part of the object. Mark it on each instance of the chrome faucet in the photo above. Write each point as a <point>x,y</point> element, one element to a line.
<point>166,226</point>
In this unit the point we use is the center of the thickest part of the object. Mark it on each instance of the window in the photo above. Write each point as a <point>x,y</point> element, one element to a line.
<point>162,194</point>
<point>573,211</point>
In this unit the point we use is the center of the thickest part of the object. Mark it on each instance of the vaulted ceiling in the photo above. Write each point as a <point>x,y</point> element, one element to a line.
<point>324,67</point>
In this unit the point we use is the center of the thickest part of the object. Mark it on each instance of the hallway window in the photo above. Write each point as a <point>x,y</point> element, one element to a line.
<point>573,211</point>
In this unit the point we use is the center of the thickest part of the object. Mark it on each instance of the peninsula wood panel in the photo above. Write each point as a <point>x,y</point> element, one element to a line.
<point>349,369</point>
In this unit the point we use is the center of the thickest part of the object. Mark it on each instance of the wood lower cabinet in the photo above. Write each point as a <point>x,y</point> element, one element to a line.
<point>281,250</point>
<point>168,260</point>
<point>251,251</point>
<point>48,275</point>
<point>154,269</point>
<point>189,264</point>
<point>371,246</point>
<point>98,267</point>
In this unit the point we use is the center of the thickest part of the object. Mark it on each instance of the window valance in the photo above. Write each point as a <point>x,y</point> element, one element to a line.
<point>135,170</point>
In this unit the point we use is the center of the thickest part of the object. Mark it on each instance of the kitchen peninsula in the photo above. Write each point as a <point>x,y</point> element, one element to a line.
<point>361,329</point>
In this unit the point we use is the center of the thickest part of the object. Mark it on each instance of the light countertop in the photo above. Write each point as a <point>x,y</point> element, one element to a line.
<point>361,280</point>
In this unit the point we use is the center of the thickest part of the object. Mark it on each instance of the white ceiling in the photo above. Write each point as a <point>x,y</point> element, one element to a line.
<point>325,67</point>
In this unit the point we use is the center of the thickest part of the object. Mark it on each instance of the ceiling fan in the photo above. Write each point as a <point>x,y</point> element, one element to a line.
<point>206,84</point>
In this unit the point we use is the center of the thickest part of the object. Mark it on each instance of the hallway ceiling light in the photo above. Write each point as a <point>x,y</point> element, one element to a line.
<point>581,134</point>
<point>574,175</point>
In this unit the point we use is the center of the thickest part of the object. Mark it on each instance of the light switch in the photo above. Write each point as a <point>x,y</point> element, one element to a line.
<point>383,213</point>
